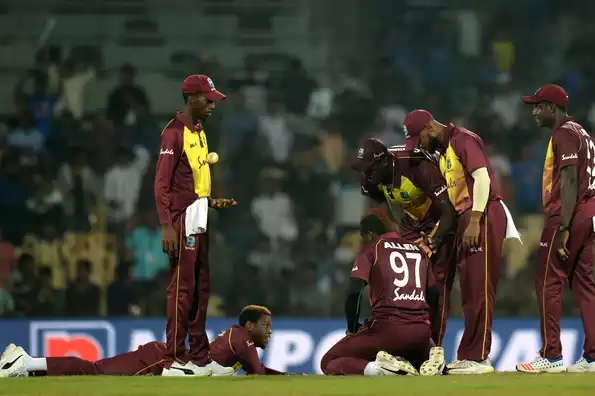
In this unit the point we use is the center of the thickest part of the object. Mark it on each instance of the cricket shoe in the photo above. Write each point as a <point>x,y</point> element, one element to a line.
<point>435,365</point>
<point>541,365</point>
<point>189,369</point>
<point>470,367</point>
<point>394,365</point>
<point>218,370</point>
<point>582,366</point>
<point>12,362</point>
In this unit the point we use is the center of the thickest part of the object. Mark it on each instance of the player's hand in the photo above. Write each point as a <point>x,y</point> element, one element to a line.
<point>423,245</point>
<point>169,242</point>
<point>560,242</point>
<point>471,235</point>
<point>222,203</point>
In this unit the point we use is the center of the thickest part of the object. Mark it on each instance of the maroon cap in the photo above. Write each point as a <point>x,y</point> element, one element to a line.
<point>201,84</point>
<point>414,123</point>
<point>368,152</point>
<point>549,93</point>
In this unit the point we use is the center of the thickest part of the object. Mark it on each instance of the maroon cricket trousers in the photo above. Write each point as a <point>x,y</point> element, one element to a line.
<point>350,356</point>
<point>479,273</point>
<point>577,269</point>
<point>148,359</point>
<point>188,297</point>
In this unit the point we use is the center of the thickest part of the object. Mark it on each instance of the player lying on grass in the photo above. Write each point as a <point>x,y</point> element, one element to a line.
<point>395,339</point>
<point>410,188</point>
<point>235,347</point>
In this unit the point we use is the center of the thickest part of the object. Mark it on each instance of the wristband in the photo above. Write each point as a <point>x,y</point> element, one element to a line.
<point>563,228</point>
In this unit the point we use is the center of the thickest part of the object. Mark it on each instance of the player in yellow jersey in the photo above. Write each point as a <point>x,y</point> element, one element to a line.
<point>183,196</point>
<point>411,189</point>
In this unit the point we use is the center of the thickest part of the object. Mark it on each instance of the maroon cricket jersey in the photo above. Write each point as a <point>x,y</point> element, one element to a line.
<point>398,274</point>
<point>235,348</point>
<point>183,172</point>
<point>463,153</point>
<point>570,145</point>
<point>417,185</point>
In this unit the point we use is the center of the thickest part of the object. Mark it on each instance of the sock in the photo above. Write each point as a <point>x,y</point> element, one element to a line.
<point>36,364</point>
<point>589,360</point>
<point>372,370</point>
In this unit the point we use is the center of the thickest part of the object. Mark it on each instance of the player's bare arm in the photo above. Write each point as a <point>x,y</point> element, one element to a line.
<point>569,197</point>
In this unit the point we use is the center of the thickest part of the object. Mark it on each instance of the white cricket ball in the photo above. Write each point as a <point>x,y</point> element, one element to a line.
<point>212,158</point>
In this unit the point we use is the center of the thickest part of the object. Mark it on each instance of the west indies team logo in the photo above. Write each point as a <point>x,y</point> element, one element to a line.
<point>360,153</point>
<point>212,85</point>
<point>404,194</point>
<point>448,164</point>
<point>191,241</point>
<point>406,133</point>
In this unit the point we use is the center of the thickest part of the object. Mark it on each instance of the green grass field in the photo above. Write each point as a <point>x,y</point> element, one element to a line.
<point>495,384</point>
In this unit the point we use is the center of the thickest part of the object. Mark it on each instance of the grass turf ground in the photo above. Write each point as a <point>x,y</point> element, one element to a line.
<point>494,384</point>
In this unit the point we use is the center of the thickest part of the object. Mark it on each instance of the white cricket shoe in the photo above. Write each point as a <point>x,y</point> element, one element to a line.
<point>466,367</point>
<point>435,365</point>
<point>582,366</point>
<point>541,365</point>
<point>189,369</point>
<point>394,365</point>
<point>12,362</point>
<point>218,370</point>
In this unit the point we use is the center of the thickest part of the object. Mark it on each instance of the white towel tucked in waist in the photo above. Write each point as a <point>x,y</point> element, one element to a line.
<point>511,230</point>
<point>196,217</point>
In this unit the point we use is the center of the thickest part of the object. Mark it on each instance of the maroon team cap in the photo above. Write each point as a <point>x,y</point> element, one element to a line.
<point>414,123</point>
<point>201,84</point>
<point>368,152</point>
<point>552,93</point>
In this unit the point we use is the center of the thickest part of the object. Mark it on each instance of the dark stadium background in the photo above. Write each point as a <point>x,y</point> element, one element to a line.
<point>306,81</point>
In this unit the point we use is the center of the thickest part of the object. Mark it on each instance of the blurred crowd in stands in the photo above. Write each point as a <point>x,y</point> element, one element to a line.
<point>79,234</point>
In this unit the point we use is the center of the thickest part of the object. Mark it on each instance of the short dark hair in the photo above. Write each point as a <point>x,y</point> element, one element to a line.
<point>252,313</point>
<point>376,221</point>
<point>185,98</point>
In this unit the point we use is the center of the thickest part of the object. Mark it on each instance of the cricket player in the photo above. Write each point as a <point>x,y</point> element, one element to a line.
<point>235,347</point>
<point>183,196</point>
<point>483,223</point>
<point>407,181</point>
<point>395,339</point>
<point>566,247</point>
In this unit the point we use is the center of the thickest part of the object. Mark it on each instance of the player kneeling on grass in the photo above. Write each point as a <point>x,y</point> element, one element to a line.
<point>234,347</point>
<point>396,338</point>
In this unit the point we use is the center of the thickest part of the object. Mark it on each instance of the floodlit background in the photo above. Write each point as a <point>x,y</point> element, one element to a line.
<point>87,85</point>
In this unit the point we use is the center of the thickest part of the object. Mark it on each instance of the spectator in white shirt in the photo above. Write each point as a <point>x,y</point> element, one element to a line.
<point>123,183</point>
<point>273,127</point>
<point>273,209</point>
<point>73,89</point>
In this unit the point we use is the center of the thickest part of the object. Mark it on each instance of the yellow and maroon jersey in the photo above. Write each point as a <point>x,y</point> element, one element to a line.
<point>570,145</point>
<point>419,185</point>
<point>464,153</point>
<point>183,172</point>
